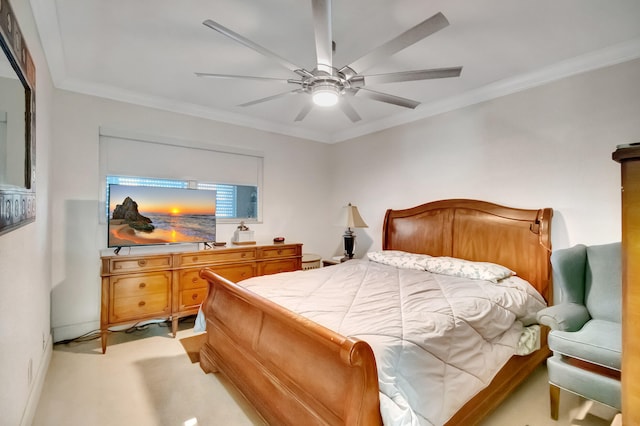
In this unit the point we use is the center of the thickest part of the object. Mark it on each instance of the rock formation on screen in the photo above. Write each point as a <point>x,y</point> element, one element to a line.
<point>128,211</point>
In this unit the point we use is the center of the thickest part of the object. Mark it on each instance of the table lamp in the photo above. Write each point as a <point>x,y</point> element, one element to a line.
<point>351,219</point>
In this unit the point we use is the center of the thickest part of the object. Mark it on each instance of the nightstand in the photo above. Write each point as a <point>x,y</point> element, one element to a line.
<point>310,261</point>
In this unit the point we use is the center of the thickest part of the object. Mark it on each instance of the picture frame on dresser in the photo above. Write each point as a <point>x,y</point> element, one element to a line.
<point>17,125</point>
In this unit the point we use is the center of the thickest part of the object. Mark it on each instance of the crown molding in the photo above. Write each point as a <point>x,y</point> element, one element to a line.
<point>171,105</point>
<point>47,22</point>
<point>612,55</point>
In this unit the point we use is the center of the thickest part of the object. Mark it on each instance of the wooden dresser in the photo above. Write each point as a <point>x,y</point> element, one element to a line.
<point>167,285</point>
<point>629,158</point>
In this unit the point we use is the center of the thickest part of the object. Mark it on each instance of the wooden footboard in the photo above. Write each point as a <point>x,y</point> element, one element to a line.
<point>292,370</point>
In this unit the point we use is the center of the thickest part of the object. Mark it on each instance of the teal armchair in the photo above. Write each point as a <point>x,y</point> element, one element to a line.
<point>586,326</point>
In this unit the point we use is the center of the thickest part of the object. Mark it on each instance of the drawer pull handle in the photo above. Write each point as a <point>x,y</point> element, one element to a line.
<point>142,285</point>
<point>194,296</point>
<point>142,262</point>
<point>141,303</point>
<point>243,255</point>
<point>194,280</point>
<point>243,274</point>
<point>195,258</point>
<point>279,251</point>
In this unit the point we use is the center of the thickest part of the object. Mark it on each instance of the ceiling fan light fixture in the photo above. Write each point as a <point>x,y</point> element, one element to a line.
<point>325,94</point>
<point>327,84</point>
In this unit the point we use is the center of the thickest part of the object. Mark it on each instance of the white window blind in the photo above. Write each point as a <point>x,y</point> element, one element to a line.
<point>128,157</point>
<point>124,155</point>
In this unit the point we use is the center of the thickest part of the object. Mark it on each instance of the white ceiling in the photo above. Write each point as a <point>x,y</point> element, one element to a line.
<point>147,51</point>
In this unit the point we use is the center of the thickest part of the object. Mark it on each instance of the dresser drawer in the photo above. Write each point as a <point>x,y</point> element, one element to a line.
<point>276,266</point>
<point>135,308</point>
<point>214,256</point>
<point>137,264</point>
<point>235,273</point>
<point>275,252</point>
<point>140,284</point>
<point>192,298</point>
<point>190,278</point>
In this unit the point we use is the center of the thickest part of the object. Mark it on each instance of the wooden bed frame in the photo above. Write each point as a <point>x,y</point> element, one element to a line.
<point>295,371</point>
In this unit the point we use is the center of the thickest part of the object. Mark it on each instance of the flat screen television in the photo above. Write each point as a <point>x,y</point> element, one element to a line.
<point>146,215</point>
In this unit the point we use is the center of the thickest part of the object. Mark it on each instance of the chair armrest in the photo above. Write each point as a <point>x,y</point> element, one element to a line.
<point>564,317</point>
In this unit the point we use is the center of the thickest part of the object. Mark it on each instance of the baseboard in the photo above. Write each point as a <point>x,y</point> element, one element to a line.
<point>36,390</point>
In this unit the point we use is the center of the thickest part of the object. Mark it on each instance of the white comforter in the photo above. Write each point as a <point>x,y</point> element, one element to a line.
<point>437,339</point>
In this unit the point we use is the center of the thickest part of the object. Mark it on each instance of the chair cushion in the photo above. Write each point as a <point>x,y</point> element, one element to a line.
<point>598,342</point>
<point>586,383</point>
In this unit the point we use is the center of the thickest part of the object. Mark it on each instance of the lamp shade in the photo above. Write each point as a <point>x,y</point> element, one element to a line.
<point>351,217</point>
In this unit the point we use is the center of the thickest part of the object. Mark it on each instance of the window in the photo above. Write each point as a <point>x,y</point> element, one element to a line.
<point>234,173</point>
<point>232,201</point>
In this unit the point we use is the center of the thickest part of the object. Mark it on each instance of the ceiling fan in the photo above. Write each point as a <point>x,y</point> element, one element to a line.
<point>328,85</point>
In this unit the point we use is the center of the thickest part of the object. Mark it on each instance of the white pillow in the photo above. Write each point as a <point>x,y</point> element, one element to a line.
<point>467,269</point>
<point>399,259</point>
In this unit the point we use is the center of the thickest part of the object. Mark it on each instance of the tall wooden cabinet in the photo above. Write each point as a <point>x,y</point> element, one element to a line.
<point>168,285</point>
<point>629,158</point>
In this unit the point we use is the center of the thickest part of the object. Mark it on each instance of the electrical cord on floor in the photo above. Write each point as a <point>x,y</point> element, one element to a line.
<point>87,337</point>
<point>141,326</point>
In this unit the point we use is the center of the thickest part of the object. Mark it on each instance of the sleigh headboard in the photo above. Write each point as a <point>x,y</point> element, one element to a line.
<point>478,231</point>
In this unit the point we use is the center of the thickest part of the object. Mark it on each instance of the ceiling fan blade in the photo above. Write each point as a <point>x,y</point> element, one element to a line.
<point>348,110</point>
<point>242,40</point>
<point>385,97</point>
<point>246,77</point>
<point>353,90</point>
<point>395,77</point>
<point>304,111</point>
<point>404,40</point>
<point>270,98</point>
<point>322,29</point>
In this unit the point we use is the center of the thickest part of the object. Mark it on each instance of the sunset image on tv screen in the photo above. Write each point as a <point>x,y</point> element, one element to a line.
<point>142,215</point>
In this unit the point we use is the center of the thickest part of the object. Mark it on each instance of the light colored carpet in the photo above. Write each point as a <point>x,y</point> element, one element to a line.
<point>147,378</point>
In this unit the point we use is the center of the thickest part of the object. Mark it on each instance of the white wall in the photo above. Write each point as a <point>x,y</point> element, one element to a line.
<point>545,147</point>
<point>25,263</point>
<point>295,190</point>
